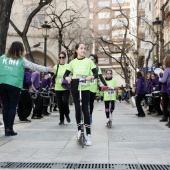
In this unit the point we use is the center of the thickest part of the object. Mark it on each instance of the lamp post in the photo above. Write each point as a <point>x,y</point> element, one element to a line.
<point>157,28</point>
<point>45,32</point>
<point>136,62</point>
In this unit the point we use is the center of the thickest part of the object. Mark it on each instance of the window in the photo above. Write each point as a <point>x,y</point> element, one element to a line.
<point>118,13</point>
<point>104,15</point>
<point>91,5</point>
<point>142,22</point>
<point>119,22</point>
<point>104,3</point>
<point>118,34</point>
<point>105,49</point>
<point>103,26</point>
<point>91,16</point>
<point>103,61</point>
<point>120,1</point>
<point>106,37</point>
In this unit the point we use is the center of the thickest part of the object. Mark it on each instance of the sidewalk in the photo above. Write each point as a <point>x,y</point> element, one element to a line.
<point>131,139</point>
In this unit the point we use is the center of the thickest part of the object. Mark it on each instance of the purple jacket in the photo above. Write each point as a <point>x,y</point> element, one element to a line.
<point>46,82</point>
<point>27,80</point>
<point>156,83</point>
<point>140,85</point>
<point>165,75</point>
<point>163,85</point>
<point>35,79</point>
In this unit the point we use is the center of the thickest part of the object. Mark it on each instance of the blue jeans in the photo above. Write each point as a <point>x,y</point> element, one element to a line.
<point>10,97</point>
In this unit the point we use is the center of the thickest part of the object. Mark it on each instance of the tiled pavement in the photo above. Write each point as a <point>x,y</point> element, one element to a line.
<point>131,139</point>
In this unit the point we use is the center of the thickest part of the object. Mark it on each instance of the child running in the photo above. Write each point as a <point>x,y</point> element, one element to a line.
<point>109,96</point>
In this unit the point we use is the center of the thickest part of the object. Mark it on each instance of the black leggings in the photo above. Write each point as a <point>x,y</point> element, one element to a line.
<point>63,103</point>
<point>85,101</point>
<point>92,97</point>
<point>108,108</point>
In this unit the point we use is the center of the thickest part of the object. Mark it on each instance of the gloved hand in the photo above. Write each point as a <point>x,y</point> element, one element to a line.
<point>104,88</point>
<point>116,88</point>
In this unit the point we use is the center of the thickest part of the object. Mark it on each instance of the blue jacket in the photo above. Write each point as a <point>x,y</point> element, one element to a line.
<point>140,85</point>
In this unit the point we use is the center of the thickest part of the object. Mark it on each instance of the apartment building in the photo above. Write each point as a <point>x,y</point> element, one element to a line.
<point>108,23</point>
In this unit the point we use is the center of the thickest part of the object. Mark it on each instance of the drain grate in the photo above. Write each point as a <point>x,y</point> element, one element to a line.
<point>28,165</point>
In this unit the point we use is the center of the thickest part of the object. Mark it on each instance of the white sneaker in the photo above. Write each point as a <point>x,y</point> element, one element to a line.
<point>88,140</point>
<point>78,135</point>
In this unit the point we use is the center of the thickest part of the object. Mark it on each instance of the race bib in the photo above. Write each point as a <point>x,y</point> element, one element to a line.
<point>110,92</point>
<point>81,77</point>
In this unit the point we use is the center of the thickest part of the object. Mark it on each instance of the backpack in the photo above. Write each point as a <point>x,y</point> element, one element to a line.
<point>168,85</point>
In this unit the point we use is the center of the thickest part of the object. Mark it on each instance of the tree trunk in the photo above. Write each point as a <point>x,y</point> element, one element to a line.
<point>5,12</point>
<point>27,48</point>
<point>60,36</point>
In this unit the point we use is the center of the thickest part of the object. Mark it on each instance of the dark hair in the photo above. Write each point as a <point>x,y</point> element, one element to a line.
<point>95,58</point>
<point>16,50</point>
<point>139,74</point>
<point>109,70</point>
<point>62,52</point>
<point>76,47</point>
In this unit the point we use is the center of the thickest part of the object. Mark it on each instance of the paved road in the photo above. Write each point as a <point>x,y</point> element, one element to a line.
<point>131,140</point>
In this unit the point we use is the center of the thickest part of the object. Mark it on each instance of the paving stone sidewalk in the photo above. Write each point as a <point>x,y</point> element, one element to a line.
<point>130,140</point>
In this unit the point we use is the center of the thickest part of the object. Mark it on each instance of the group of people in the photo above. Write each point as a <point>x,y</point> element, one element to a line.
<point>16,82</point>
<point>155,90</point>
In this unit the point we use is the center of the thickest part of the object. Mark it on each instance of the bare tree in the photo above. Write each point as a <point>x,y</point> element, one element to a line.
<point>5,12</point>
<point>122,45</point>
<point>23,33</point>
<point>65,21</point>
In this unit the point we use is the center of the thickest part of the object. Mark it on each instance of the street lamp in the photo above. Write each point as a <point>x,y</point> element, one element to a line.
<point>157,28</point>
<point>45,32</point>
<point>136,62</point>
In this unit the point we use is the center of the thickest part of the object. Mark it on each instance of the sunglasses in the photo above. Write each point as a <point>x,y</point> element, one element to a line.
<point>62,57</point>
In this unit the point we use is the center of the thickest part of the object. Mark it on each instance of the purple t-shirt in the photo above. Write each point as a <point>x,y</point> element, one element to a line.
<point>35,77</point>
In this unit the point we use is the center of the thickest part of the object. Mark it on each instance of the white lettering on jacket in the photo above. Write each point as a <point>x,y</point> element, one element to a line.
<point>10,61</point>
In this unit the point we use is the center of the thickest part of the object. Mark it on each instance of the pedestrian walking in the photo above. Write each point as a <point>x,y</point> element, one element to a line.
<point>140,94</point>
<point>81,67</point>
<point>61,93</point>
<point>12,67</point>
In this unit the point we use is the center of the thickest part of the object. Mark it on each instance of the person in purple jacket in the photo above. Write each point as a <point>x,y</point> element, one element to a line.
<point>155,87</point>
<point>140,94</point>
<point>46,83</point>
<point>25,101</point>
<point>166,77</point>
<point>165,100</point>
